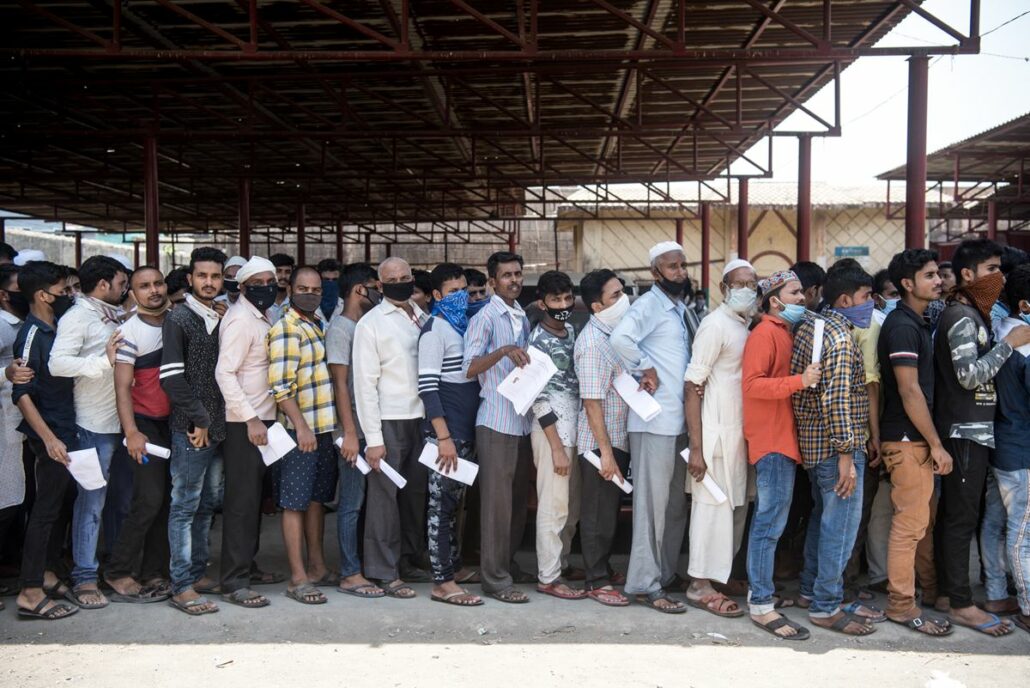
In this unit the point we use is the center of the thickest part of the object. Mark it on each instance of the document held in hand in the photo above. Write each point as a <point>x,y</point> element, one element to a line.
<point>523,385</point>
<point>642,403</point>
<point>154,450</point>
<point>713,487</point>
<point>85,468</point>
<point>595,461</point>
<point>279,444</point>
<point>466,471</point>
<point>386,468</point>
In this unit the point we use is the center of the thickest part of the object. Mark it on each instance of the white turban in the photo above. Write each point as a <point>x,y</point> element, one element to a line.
<point>734,264</point>
<point>254,266</point>
<point>235,261</point>
<point>663,247</point>
<point>28,255</point>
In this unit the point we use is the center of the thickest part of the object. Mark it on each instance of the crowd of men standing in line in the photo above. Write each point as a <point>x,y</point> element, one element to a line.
<point>881,408</point>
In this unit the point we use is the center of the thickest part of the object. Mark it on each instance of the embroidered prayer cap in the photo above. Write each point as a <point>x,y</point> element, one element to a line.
<point>776,280</point>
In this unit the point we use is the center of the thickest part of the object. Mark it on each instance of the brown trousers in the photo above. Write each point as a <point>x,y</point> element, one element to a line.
<point>911,474</point>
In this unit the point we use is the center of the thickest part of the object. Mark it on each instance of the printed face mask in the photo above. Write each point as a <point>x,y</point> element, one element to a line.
<point>262,297</point>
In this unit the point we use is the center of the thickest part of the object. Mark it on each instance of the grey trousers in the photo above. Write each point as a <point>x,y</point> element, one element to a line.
<point>598,518</point>
<point>504,463</point>
<point>659,510</point>
<point>395,520</point>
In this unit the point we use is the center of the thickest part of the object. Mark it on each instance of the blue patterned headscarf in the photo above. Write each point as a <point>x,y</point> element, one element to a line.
<point>452,308</point>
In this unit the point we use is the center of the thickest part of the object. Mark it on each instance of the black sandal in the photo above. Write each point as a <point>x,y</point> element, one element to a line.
<point>246,598</point>
<point>651,598</point>
<point>511,596</point>
<point>801,633</point>
<point>395,590</point>
<point>919,623</point>
<point>60,610</point>
<point>840,624</point>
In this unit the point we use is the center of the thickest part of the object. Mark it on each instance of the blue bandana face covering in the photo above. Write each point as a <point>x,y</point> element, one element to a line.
<point>330,297</point>
<point>476,306</point>
<point>454,309</point>
<point>860,316</point>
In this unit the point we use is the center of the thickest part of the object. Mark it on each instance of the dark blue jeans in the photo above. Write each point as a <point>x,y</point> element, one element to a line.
<point>348,513</point>
<point>775,480</point>
<point>831,537</point>
<point>89,506</point>
<point>196,490</point>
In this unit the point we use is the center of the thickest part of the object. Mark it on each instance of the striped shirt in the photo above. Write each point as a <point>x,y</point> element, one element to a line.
<point>597,366</point>
<point>141,348</point>
<point>442,385</point>
<point>489,330</point>
<point>297,370</point>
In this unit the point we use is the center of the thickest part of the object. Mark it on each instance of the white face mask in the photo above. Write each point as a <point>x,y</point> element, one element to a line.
<point>742,300</point>
<point>611,315</point>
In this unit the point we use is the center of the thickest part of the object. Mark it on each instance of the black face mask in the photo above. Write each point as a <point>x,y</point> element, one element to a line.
<point>373,295</point>
<point>306,303</point>
<point>262,297</point>
<point>61,304</point>
<point>673,288</point>
<point>560,314</point>
<point>231,286</point>
<point>19,304</point>
<point>398,291</point>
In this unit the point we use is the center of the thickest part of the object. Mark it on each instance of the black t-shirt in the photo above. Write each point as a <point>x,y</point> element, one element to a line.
<point>905,340</point>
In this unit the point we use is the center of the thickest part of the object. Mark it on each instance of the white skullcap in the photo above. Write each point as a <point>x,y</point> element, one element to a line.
<point>235,261</point>
<point>28,255</point>
<point>254,266</point>
<point>734,264</point>
<point>663,247</point>
<point>121,259</point>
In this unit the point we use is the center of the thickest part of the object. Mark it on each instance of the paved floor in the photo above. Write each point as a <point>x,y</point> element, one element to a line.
<point>388,642</point>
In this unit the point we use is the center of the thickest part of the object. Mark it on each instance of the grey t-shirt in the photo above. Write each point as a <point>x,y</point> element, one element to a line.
<point>339,347</point>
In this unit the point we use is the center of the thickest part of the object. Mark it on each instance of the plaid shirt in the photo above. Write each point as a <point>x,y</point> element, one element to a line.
<point>833,417</point>
<point>297,370</point>
<point>597,366</point>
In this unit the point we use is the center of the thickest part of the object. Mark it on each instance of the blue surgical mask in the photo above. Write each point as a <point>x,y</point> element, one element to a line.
<point>476,306</point>
<point>999,311</point>
<point>889,305</point>
<point>1025,317</point>
<point>793,313</point>
<point>860,316</point>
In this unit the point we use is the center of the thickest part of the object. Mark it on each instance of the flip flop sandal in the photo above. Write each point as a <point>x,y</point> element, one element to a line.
<point>510,596</point>
<point>355,590</point>
<point>609,598</point>
<point>854,607</point>
<point>394,591</point>
<point>331,579</point>
<point>453,598</point>
<point>986,626</point>
<point>244,595</point>
<point>800,632</point>
<point>142,597</point>
<point>840,624</point>
<point>554,590</point>
<point>705,601</point>
<point>191,606</point>
<point>58,592</point>
<point>60,610</point>
<point>259,577</point>
<point>919,623</point>
<point>75,596</point>
<point>305,594</point>
<point>652,598</point>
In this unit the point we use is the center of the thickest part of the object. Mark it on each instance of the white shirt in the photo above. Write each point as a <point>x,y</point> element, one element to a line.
<point>80,352</point>
<point>385,368</point>
<point>12,472</point>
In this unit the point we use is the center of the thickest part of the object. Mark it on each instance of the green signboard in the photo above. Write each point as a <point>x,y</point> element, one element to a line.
<point>850,251</point>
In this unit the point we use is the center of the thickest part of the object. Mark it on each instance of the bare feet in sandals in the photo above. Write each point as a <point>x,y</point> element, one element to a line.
<point>193,603</point>
<point>979,620</point>
<point>842,622</point>
<point>452,593</point>
<point>924,624</point>
<point>702,595</point>
<point>766,621</point>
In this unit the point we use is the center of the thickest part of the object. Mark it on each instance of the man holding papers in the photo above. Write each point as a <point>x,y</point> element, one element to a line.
<point>495,343</point>
<point>653,341</point>
<point>386,390</point>
<point>242,375</point>
<point>832,421</point>
<point>451,401</point>
<point>601,429</point>
<point>299,378</point>
<point>717,448</point>
<point>143,409</point>
<point>49,425</point>
<point>772,440</point>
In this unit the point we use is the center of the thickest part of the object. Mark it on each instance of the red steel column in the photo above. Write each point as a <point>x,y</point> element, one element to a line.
<point>150,200</point>
<point>742,218</point>
<point>245,217</point>
<point>992,220</point>
<point>706,246</point>
<point>339,240</point>
<point>804,235</point>
<point>915,164</point>
<point>679,230</point>
<point>135,253</point>
<point>78,250</point>
<point>511,242</point>
<point>368,247</point>
<point>301,239</point>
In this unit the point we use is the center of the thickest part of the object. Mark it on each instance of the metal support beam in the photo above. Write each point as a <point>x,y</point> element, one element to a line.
<point>245,217</point>
<point>742,218</point>
<point>78,250</point>
<point>512,245</point>
<point>804,233</point>
<point>3,230</point>
<point>992,219</point>
<point>706,247</point>
<point>368,247</point>
<point>151,204</point>
<point>301,239</point>
<point>339,240</point>
<point>135,254</point>
<point>915,163</point>
<point>679,231</point>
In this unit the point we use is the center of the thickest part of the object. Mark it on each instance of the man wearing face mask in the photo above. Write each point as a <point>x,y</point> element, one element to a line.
<point>717,447</point>
<point>229,281</point>
<point>391,412</point>
<point>654,343</point>
<point>885,294</point>
<point>242,376</point>
<point>332,304</point>
<point>966,361</point>
<point>284,266</point>
<point>360,295</point>
<point>601,429</point>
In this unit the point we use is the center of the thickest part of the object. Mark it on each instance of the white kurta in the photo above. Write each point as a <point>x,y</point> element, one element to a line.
<point>12,471</point>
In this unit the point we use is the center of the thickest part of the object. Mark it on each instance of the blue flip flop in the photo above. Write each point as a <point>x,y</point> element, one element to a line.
<point>986,626</point>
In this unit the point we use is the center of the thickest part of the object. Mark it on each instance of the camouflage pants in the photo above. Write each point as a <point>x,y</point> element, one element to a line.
<point>444,497</point>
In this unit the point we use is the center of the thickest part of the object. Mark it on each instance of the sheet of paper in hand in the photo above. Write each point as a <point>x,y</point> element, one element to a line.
<point>523,385</point>
<point>595,461</point>
<point>85,468</point>
<point>465,472</point>
<point>642,403</point>
<point>279,444</point>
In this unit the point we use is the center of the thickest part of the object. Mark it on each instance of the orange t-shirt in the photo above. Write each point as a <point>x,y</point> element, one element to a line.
<point>768,385</point>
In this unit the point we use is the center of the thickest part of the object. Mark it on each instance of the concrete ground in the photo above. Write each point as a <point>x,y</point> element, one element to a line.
<point>400,643</point>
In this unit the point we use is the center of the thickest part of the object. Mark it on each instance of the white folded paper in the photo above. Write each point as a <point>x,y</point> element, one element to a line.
<point>153,450</point>
<point>595,461</point>
<point>713,487</point>
<point>85,468</point>
<point>642,403</point>
<point>279,444</point>
<point>386,468</point>
<point>466,471</point>
<point>523,385</point>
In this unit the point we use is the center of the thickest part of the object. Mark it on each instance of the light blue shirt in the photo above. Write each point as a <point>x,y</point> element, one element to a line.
<point>653,334</point>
